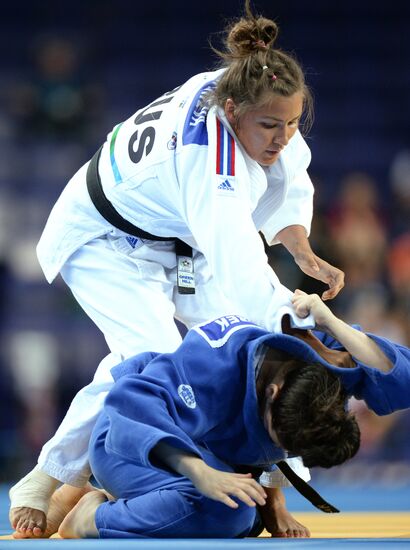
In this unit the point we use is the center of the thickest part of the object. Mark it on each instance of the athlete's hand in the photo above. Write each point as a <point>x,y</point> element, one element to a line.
<point>222,486</point>
<point>210,482</point>
<point>317,268</point>
<point>305,304</point>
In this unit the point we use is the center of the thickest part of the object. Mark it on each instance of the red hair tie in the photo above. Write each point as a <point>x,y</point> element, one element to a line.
<point>273,77</point>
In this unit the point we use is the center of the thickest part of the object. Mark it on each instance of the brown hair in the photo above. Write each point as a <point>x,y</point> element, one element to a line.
<point>252,63</point>
<point>310,418</point>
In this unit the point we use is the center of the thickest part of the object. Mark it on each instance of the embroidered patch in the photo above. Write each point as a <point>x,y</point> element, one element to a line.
<point>195,124</point>
<point>186,393</point>
<point>172,143</point>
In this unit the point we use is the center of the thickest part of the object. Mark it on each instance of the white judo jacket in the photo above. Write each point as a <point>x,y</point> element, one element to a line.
<point>176,169</point>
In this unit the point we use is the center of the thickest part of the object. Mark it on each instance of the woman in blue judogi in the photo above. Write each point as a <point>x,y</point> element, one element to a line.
<point>176,428</point>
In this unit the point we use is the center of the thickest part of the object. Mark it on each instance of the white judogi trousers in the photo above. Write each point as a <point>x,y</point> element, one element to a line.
<point>130,294</point>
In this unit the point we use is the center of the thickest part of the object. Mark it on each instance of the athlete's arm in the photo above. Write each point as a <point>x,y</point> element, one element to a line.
<point>357,343</point>
<point>213,483</point>
<point>295,240</point>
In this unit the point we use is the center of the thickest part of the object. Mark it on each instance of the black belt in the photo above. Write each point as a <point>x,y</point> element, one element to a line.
<point>305,489</point>
<point>298,483</point>
<point>185,265</point>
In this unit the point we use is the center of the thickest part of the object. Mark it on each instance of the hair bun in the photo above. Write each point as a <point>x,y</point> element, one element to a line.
<point>251,35</point>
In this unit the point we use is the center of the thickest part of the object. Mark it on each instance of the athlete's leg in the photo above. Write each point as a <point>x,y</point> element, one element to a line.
<point>127,294</point>
<point>170,513</point>
<point>150,503</point>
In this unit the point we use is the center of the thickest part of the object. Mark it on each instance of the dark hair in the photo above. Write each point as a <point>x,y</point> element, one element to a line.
<point>248,50</point>
<point>310,417</point>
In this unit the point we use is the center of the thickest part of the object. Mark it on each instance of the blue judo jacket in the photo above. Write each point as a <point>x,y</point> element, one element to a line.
<point>203,394</point>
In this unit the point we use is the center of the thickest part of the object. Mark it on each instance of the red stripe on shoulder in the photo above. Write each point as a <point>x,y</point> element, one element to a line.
<point>233,145</point>
<point>218,145</point>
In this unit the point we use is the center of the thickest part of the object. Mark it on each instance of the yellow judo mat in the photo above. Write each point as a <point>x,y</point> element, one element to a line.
<point>356,524</point>
<point>346,525</point>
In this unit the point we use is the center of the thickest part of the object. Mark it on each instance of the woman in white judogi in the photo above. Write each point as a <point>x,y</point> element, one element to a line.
<point>211,164</point>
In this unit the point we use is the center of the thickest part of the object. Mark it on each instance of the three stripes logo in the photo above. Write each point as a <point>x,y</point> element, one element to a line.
<point>225,159</point>
<point>226,186</point>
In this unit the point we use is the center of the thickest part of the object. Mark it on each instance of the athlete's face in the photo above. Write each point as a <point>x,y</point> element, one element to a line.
<point>265,131</point>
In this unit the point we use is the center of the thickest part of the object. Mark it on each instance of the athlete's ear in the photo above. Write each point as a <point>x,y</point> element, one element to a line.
<point>271,392</point>
<point>230,111</point>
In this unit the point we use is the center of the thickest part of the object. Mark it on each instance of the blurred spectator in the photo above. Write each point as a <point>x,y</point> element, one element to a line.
<point>370,307</point>
<point>398,258</point>
<point>33,356</point>
<point>400,188</point>
<point>58,102</point>
<point>382,437</point>
<point>358,231</point>
<point>398,265</point>
<point>10,417</point>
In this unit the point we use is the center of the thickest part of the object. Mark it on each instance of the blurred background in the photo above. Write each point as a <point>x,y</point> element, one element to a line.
<point>71,70</point>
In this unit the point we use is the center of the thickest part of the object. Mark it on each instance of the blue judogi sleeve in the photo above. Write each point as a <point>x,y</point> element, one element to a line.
<point>384,393</point>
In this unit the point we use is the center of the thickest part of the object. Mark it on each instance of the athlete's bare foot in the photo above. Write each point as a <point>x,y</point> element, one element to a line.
<point>62,502</point>
<point>29,502</point>
<point>276,518</point>
<point>283,524</point>
<point>27,522</point>
<point>80,522</point>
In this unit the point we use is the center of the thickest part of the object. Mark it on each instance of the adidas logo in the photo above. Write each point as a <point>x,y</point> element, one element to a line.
<point>226,186</point>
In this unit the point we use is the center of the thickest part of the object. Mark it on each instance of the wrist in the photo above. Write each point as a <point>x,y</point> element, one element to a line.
<point>193,467</point>
<point>294,239</point>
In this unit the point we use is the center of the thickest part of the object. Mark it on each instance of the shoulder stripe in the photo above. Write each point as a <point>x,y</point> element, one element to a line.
<point>231,156</point>
<point>225,151</point>
<point>219,147</point>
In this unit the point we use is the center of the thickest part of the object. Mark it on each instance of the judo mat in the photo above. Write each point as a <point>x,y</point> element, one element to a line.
<point>370,518</point>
